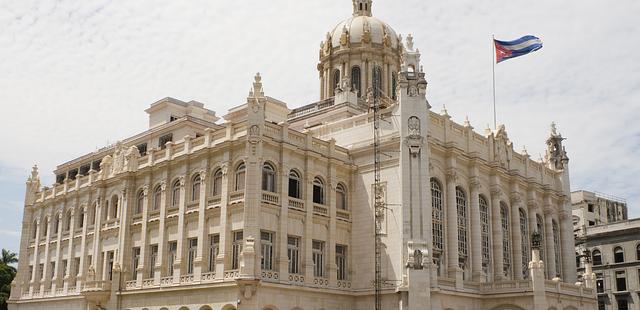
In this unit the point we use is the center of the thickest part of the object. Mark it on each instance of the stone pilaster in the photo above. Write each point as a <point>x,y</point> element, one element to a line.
<point>225,228</point>
<point>453,268</point>
<point>496,227</point>
<point>550,249</point>
<point>199,263</point>
<point>178,266</point>
<point>516,235</point>
<point>162,236</point>
<point>476,232</point>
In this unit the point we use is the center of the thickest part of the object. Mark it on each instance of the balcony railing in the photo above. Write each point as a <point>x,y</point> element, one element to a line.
<point>231,274</point>
<point>186,278</point>
<point>269,197</point>
<point>296,278</point>
<point>269,275</point>
<point>343,214</point>
<point>208,276</point>
<point>296,203</point>
<point>236,196</point>
<point>321,281</point>
<point>320,209</point>
<point>164,281</point>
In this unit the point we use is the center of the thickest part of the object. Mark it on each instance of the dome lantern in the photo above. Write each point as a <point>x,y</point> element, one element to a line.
<point>362,7</point>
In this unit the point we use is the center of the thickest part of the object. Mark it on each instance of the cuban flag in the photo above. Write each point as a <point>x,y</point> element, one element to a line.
<point>511,49</point>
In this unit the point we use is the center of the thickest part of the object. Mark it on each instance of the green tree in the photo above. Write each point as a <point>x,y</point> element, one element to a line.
<point>7,273</point>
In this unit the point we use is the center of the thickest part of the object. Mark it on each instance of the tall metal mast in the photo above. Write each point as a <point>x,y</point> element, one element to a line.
<point>378,203</point>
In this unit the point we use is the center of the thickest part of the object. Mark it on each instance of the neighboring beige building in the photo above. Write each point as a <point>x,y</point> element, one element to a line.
<point>609,241</point>
<point>272,208</point>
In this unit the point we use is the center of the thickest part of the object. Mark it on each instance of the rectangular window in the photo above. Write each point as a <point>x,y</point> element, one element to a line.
<point>110,265</point>
<point>214,249</point>
<point>590,207</point>
<point>41,271</point>
<point>293,254</point>
<point>153,258</point>
<point>64,267</point>
<point>621,281</point>
<point>164,139</point>
<point>142,149</point>
<point>193,248</point>
<point>623,303</point>
<point>266,249</point>
<point>135,262</point>
<point>601,303</point>
<point>236,248</point>
<point>171,253</point>
<point>52,266</point>
<point>76,262</point>
<point>318,258</point>
<point>341,261</point>
<point>30,272</point>
<point>599,283</point>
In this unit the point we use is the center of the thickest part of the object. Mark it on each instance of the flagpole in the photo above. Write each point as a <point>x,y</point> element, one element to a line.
<point>493,70</point>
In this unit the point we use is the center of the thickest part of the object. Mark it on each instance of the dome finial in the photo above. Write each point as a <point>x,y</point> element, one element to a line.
<point>362,7</point>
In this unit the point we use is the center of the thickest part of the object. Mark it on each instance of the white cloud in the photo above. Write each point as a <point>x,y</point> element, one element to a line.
<point>79,74</point>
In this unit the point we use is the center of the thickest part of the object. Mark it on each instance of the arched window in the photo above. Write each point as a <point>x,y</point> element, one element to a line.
<point>175,193</point>
<point>540,230</point>
<point>114,206</point>
<point>268,178</point>
<point>46,226</point>
<point>157,197</point>
<point>336,81</point>
<point>294,184</point>
<point>56,224</point>
<point>524,234</point>
<point>485,229</point>
<point>377,81</point>
<point>240,174</point>
<point>140,202</point>
<point>597,257</point>
<point>67,223</point>
<point>638,252</point>
<point>34,232</point>
<point>461,207</point>
<point>318,191</point>
<point>556,246</point>
<point>506,238</point>
<point>80,218</point>
<point>216,188</point>
<point>195,187</point>
<point>437,214</point>
<point>356,82</point>
<point>618,255</point>
<point>394,85</point>
<point>341,197</point>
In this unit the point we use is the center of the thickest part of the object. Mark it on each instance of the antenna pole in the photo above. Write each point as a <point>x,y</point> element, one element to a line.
<point>493,70</point>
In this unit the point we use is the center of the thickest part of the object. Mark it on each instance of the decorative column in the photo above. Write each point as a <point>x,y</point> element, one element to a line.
<point>162,235</point>
<point>568,247</point>
<point>83,246</point>
<point>70,253</point>
<point>516,235</point>
<point>198,263</point>
<point>551,253</point>
<point>124,216</point>
<point>225,228</point>
<point>57,277</point>
<point>452,226</point>
<point>283,262</point>
<point>476,232</point>
<point>45,270</point>
<point>144,236</point>
<point>536,271</point>
<point>177,264</point>
<point>331,238</point>
<point>308,225</point>
<point>96,234</point>
<point>496,227</point>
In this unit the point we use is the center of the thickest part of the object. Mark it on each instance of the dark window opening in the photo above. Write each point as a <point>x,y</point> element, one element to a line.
<point>172,118</point>
<point>72,174</point>
<point>618,255</point>
<point>621,281</point>
<point>164,139</point>
<point>142,149</point>
<point>591,223</point>
<point>597,258</point>
<point>96,165</point>
<point>84,169</point>
<point>599,283</point>
<point>60,178</point>
<point>623,304</point>
<point>590,207</point>
<point>198,135</point>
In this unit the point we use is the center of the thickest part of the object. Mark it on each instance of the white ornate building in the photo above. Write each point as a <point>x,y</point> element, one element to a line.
<point>272,208</point>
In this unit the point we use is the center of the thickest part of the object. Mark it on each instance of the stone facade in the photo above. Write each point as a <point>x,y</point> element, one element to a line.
<point>608,249</point>
<point>273,208</point>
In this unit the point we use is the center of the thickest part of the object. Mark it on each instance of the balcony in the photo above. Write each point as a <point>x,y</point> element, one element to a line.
<point>166,281</point>
<point>296,279</point>
<point>186,279</point>
<point>344,284</point>
<point>343,215</point>
<point>208,276</point>
<point>270,198</point>
<point>321,281</point>
<point>215,200</point>
<point>236,197</point>
<point>320,210</point>
<point>130,284</point>
<point>270,276</point>
<point>296,204</point>
<point>231,274</point>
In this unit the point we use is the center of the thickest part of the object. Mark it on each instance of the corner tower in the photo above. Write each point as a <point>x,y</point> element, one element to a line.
<point>360,52</point>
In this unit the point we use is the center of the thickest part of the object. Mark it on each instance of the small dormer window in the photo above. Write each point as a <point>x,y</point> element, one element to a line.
<point>164,139</point>
<point>172,118</point>
<point>142,149</point>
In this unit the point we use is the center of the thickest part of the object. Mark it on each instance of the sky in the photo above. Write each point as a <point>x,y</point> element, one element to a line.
<point>77,75</point>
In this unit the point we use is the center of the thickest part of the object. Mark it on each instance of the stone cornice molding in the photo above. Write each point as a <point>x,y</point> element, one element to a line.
<point>496,192</point>
<point>548,210</point>
<point>532,204</point>
<point>516,197</point>
<point>475,184</point>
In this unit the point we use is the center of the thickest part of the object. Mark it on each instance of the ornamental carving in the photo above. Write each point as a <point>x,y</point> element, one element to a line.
<point>417,256</point>
<point>224,168</point>
<point>496,192</point>
<point>414,126</point>
<point>452,176</point>
<point>502,147</point>
<point>516,197</point>
<point>414,140</point>
<point>344,38</point>
<point>254,134</point>
<point>413,91</point>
